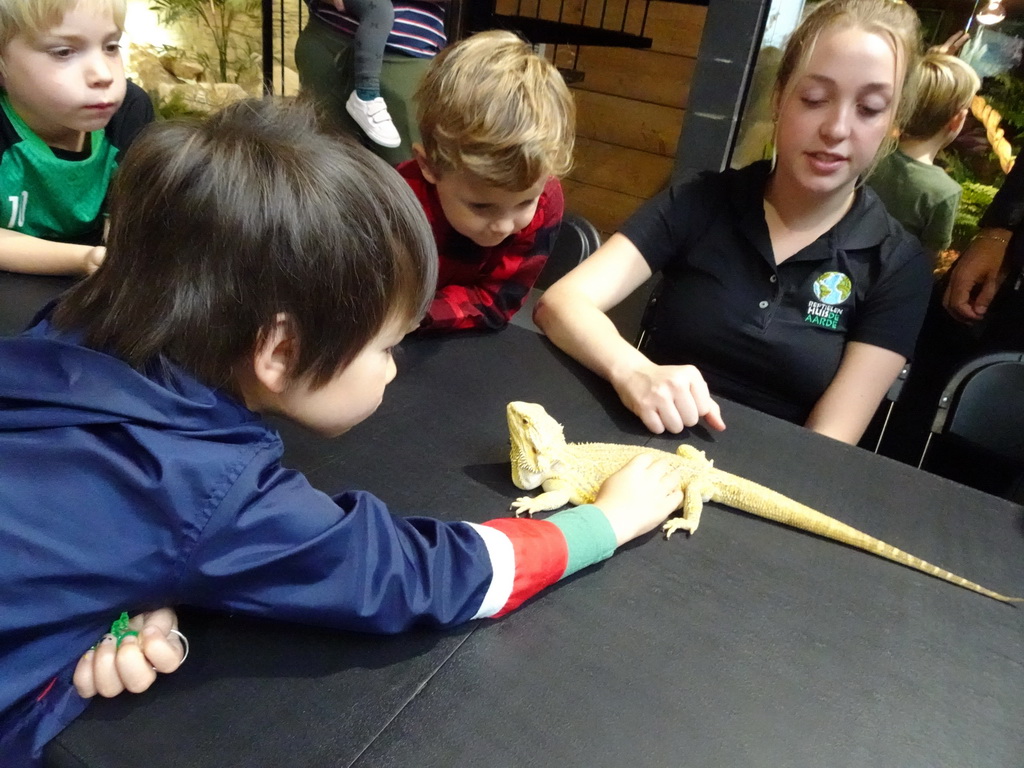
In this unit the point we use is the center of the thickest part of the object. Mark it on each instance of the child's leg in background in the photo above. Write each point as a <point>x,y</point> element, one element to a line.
<point>365,105</point>
<point>326,63</point>
<point>376,17</point>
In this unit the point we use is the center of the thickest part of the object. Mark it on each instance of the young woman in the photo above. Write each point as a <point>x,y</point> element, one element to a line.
<point>787,287</point>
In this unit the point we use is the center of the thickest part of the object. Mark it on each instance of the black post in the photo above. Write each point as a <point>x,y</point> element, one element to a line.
<point>268,47</point>
<point>725,62</point>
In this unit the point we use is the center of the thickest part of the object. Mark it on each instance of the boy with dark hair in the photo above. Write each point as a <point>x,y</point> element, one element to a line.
<point>66,114</point>
<point>255,232</point>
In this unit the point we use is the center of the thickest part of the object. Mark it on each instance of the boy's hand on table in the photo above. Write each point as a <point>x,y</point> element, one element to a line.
<point>110,669</point>
<point>640,496</point>
<point>669,398</point>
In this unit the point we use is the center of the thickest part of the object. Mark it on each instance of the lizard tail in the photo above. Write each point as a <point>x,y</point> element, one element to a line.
<point>761,501</point>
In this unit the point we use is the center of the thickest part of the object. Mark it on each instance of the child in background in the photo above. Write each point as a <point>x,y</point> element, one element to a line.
<point>325,60</point>
<point>915,191</point>
<point>498,128</point>
<point>290,263</point>
<point>787,286</point>
<point>66,115</point>
<point>365,104</point>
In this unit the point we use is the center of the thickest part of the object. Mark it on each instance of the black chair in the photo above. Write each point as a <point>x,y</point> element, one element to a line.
<point>982,407</point>
<point>891,397</point>
<point>576,240</point>
<point>648,315</point>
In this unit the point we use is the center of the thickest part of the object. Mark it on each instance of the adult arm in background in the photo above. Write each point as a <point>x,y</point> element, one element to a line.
<point>572,314</point>
<point>35,256</point>
<point>978,273</point>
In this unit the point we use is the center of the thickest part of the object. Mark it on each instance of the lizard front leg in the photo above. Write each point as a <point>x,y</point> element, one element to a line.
<point>556,494</point>
<point>695,493</point>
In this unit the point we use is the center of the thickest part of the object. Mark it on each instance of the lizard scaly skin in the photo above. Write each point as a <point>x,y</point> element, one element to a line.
<point>573,473</point>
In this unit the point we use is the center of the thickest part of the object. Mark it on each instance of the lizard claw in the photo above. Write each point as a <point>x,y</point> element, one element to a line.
<point>675,524</point>
<point>522,506</point>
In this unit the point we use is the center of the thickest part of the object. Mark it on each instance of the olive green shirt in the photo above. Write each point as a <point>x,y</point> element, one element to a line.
<point>919,196</point>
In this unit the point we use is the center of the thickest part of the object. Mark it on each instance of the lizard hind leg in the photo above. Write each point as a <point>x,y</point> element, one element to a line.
<point>693,504</point>
<point>689,453</point>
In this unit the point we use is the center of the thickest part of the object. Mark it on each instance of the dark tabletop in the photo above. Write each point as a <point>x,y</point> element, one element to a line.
<point>747,644</point>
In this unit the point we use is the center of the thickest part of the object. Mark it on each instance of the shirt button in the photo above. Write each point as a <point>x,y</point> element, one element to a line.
<point>763,305</point>
<point>773,279</point>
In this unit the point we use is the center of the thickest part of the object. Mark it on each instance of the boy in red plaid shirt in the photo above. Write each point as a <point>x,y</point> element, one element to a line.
<point>498,126</point>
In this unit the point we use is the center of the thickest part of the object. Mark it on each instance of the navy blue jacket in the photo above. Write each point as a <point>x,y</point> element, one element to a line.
<point>123,491</point>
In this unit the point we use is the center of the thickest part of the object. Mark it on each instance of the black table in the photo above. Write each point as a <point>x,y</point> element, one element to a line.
<point>747,644</point>
<point>21,296</point>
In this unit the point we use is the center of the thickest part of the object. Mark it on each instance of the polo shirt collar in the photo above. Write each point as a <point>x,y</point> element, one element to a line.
<point>865,225</point>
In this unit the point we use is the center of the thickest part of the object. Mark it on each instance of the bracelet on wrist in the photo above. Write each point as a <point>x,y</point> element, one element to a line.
<point>987,236</point>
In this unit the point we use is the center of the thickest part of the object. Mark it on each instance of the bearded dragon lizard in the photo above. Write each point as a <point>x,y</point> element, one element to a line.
<point>573,473</point>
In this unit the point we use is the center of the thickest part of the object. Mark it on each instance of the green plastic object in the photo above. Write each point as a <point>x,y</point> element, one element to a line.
<point>119,629</point>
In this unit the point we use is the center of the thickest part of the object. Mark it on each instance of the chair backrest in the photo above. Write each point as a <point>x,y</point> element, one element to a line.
<point>577,239</point>
<point>983,405</point>
<point>647,317</point>
<point>889,403</point>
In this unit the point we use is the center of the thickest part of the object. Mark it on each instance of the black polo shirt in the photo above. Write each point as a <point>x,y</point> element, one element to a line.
<point>772,336</point>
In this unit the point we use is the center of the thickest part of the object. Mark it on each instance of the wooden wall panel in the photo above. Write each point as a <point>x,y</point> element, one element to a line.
<point>601,165</point>
<point>627,122</point>
<point>605,208</point>
<point>660,78</point>
<point>630,102</point>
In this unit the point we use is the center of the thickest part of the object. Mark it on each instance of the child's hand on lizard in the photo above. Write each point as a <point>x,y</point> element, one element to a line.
<point>640,496</point>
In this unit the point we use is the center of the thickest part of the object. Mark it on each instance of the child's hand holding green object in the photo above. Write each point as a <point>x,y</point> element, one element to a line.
<point>131,654</point>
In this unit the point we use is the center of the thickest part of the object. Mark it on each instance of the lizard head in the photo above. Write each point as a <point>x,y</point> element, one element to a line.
<point>535,438</point>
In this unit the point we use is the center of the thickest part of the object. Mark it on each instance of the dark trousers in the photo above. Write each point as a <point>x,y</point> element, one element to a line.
<point>325,60</point>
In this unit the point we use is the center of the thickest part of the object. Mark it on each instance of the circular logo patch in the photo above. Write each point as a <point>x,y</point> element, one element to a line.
<point>833,288</point>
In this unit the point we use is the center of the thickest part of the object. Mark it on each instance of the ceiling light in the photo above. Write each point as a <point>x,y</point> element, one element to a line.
<point>992,13</point>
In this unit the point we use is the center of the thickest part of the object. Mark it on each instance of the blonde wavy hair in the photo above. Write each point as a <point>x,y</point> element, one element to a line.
<point>945,86</point>
<point>33,17</point>
<point>489,105</point>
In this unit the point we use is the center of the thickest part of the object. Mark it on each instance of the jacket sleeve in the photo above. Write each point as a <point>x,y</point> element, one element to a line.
<point>276,547</point>
<point>507,273</point>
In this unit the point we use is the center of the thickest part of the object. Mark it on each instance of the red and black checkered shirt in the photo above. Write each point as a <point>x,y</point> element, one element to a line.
<point>481,287</point>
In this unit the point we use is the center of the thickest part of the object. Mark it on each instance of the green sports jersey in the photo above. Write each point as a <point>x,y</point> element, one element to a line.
<point>52,194</point>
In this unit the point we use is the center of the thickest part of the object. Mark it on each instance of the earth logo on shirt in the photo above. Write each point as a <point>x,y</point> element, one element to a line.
<point>833,288</point>
<point>830,289</point>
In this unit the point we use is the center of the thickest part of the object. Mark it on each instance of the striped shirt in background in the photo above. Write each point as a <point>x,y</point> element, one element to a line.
<point>418,30</point>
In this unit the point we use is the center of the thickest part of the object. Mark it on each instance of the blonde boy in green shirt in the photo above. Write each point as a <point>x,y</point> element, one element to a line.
<point>915,191</point>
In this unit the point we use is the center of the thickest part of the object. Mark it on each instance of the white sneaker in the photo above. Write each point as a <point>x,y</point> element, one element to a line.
<point>374,119</point>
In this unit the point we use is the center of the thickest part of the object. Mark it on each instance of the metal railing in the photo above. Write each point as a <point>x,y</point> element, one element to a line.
<point>609,23</point>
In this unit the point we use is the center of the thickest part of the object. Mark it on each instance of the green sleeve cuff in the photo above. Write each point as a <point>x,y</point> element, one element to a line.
<point>588,536</point>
